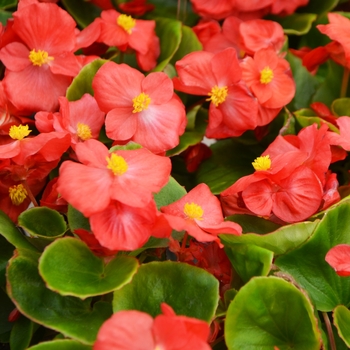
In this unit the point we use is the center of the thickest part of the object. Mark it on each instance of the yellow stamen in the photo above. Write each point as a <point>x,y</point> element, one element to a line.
<point>141,102</point>
<point>217,95</point>
<point>193,211</point>
<point>40,57</point>
<point>17,194</point>
<point>83,131</point>
<point>266,75</point>
<point>19,132</point>
<point>126,22</point>
<point>262,163</point>
<point>117,164</point>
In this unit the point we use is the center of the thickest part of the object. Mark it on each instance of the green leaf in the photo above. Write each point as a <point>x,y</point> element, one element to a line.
<point>189,290</point>
<point>269,312</point>
<point>84,12</point>
<point>21,334</point>
<point>12,234</point>
<point>319,7</point>
<point>77,220</point>
<point>231,160</point>
<point>169,33</point>
<point>82,82</point>
<point>70,268</point>
<point>4,16</point>
<point>280,242</point>
<point>6,252</point>
<point>305,120</point>
<point>189,43</point>
<point>341,106</point>
<point>61,344</point>
<point>6,4</point>
<point>306,83</point>
<point>249,260</point>
<point>170,193</point>
<point>297,23</point>
<point>307,264</point>
<point>341,317</point>
<point>69,315</point>
<point>250,223</point>
<point>6,306</point>
<point>43,225</point>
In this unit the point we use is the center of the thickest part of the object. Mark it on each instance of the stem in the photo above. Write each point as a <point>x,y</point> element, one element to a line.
<point>184,241</point>
<point>178,9</point>
<point>329,331</point>
<point>344,83</point>
<point>30,194</point>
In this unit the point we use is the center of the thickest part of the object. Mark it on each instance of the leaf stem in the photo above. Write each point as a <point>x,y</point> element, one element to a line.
<point>344,83</point>
<point>30,194</point>
<point>329,331</point>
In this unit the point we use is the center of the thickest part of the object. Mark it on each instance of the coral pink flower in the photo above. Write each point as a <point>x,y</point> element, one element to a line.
<point>44,60</point>
<point>141,109</point>
<point>199,213</point>
<point>82,119</point>
<point>125,32</point>
<point>284,8</point>
<point>269,78</point>
<point>232,109</point>
<point>137,330</point>
<point>339,258</point>
<point>216,9</point>
<point>128,176</point>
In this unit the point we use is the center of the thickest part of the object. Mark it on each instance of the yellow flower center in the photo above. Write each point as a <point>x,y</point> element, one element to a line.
<point>193,211</point>
<point>126,22</point>
<point>83,131</point>
<point>262,163</point>
<point>266,75</point>
<point>40,57</point>
<point>17,194</point>
<point>141,102</point>
<point>217,95</point>
<point>19,132</point>
<point>117,164</point>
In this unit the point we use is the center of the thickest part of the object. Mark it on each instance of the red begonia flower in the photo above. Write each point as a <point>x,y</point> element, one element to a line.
<point>232,110</point>
<point>284,8</point>
<point>216,9</point>
<point>339,258</point>
<point>128,176</point>
<point>269,78</point>
<point>141,109</point>
<point>137,330</point>
<point>136,7</point>
<point>199,213</point>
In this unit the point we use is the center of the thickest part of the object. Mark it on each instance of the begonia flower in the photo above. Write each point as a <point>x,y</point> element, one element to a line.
<point>125,32</point>
<point>216,9</point>
<point>339,259</point>
<point>136,7</point>
<point>142,109</point>
<point>232,110</point>
<point>137,330</point>
<point>269,78</point>
<point>128,176</point>
<point>199,213</point>
<point>284,8</point>
<point>81,119</point>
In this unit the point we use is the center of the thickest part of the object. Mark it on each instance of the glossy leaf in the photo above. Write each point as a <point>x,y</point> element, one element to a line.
<point>82,82</point>
<point>6,251</point>
<point>189,290</point>
<point>61,344</point>
<point>69,315</point>
<point>341,106</point>
<point>341,317</point>
<point>297,23</point>
<point>308,267</point>
<point>230,161</point>
<point>169,33</point>
<point>6,307</point>
<point>250,260</point>
<point>281,241</point>
<point>70,268</point>
<point>315,6</point>
<point>77,220</point>
<point>84,12</point>
<point>6,4</point>
<point>12,234</point>
<point>269,312</point>
<point>21,334</point>
<point>4,16</point>
<point>250,223</point>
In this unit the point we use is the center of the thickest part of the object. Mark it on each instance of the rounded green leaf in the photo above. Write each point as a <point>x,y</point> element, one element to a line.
<point>307,264</point>
<point>189,290</point>
<point>71,316</point>
<point>341,106</point>
<point>61,344</point>
<point>84,12</point>
<point>170,193</point>
<point>21,333</point>
<point>254,224</point>
<point>269,312</point>
<point>70,268</point>
<point>77,220</point>
<point>341,317</point>
<point>250,260</point>
<point>297,23</point>
<point>82,82</point>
